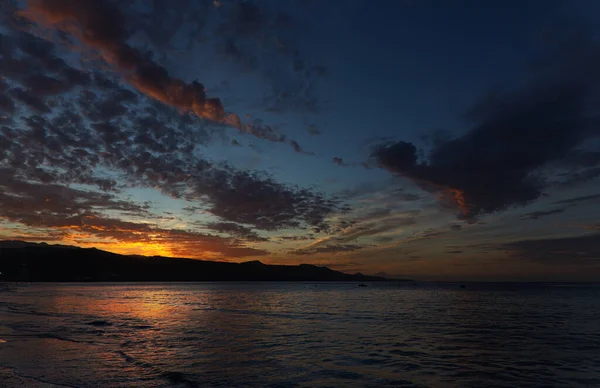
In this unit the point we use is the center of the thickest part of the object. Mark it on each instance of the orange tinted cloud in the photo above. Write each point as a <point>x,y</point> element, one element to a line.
<point>102,27</point>
<point>459,198</point>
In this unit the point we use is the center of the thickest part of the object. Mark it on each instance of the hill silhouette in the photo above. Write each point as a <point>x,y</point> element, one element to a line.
<point>31,262</point>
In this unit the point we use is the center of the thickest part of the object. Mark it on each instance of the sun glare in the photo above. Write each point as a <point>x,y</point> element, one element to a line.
<point>137,248</point>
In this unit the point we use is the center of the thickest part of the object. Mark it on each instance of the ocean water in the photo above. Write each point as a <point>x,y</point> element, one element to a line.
<point>299,335</point>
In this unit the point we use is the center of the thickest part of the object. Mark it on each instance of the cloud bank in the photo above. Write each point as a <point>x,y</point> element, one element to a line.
<point>499,162</point>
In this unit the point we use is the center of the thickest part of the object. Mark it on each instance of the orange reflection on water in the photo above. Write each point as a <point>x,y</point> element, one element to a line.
<point>146,303</point>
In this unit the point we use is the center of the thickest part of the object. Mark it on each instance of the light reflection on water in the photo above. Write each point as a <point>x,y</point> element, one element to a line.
<point>305,335</point>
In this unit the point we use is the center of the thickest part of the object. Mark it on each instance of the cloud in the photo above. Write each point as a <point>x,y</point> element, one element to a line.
<point>142,143</point>
<point>257,37</point>
<point>33,102</point>
<point>7,105</point>
<point>576,200</point>
<point>67,213</point>
<point>103,27</point>
<point>371,225</point>
<point>297,238</point>
<point>236,230</point>
<point>26,201</point>
<point>581,250</point>
<point>536,215</point>
<point>497,163</point>
<point>339,161</point>
<point>312,130</point>
<point>331,249</point>
<point>44,85</point>
<point>384,239</point>
<point>373,228</point>
<point>299,149</point>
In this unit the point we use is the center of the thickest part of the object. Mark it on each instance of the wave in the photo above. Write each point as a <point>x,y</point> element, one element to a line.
<point>61,338</point>
<point>12,376</point>
<point>172,377</point>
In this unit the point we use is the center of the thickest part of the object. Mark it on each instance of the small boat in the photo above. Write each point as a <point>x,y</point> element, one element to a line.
<point>362,285</point>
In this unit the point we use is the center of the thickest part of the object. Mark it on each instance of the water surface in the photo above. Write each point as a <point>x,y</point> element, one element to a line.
<point>301,335</point>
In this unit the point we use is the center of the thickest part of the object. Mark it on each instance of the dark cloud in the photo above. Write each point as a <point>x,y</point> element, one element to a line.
<point>384,239</point>
<point>410,197</point>
<point>576,200</point>
<point>536,215</point>
<point>581,250</point>
<point>374,215</point>
<point>369,226</point>
<point>578,177</point>
<point>68,212</point>
<point>44,85</point>
<point>497,163</point>
<point>256,199</point>
<point>246,18</point>
<point>7,105</point>
<point>331,249</point>
<point>312,130</point>
<point>251,36</point>
<point>297,148</point>
<point>33,63</point>
<point>26,201</point>
<point>236,230</point>
<point>257,128</point>
<point>143,142</point>
<point>102,26</point>
<point>374,228</point>
<point>454,252</point>
<point>583,158</point>
<point>396,157</point>
<point>32,101</point>
<point>578,167</point>
<point>250,198</point>
<point>510,153</point>
<point>339,161</point>
<point>105,28</point>
<point>297,238</point>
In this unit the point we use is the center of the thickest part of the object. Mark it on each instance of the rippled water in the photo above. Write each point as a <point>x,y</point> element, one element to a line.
<point>301,335</point>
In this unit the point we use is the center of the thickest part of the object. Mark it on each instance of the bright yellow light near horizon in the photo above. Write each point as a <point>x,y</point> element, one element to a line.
<point>136,248</point>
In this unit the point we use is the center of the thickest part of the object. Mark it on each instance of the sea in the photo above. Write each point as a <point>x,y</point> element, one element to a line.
<point>300,335</point>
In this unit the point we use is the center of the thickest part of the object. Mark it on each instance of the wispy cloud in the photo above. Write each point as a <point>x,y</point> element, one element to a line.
<point>538,214</point>
<point>580,250</point>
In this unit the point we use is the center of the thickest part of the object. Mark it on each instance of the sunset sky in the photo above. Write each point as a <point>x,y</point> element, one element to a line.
<point>418,138</point>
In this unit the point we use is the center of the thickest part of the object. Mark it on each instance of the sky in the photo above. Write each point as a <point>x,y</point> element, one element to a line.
<point>425,139</point>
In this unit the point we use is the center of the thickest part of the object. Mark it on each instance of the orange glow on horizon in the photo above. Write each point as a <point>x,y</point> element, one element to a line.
<point>136,248</point>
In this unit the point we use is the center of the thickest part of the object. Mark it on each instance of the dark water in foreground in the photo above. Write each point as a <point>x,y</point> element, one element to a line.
<point>301,335</point>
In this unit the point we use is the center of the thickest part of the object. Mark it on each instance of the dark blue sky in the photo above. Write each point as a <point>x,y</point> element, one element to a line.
<point>431,139</point>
